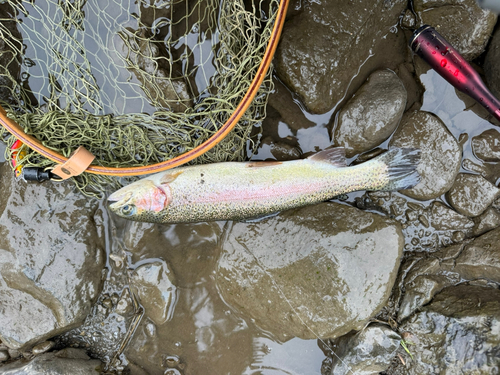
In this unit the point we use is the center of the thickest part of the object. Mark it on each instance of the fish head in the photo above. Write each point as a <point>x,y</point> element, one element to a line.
<point>141,200</point>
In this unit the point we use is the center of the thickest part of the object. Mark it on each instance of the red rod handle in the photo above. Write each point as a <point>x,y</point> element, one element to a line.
<point>444,59</point>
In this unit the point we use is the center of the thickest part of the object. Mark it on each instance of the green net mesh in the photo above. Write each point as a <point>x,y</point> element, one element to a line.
<point>134,82</point>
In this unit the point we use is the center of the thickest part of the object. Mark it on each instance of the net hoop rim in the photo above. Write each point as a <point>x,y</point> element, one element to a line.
<point>12,127</point>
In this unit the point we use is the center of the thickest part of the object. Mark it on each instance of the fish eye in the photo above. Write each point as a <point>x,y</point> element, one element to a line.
<point>128,209</point>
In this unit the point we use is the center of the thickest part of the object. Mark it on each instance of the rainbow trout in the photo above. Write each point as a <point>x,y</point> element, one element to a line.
<point>235,191</point>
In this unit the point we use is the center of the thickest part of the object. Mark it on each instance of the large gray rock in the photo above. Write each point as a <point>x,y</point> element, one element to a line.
<point>441,153</point>
<point>368,352</point>
<point>471,194</point>
<point>491,68</point>
<point>372,115</point>
<point>322,48</point>
<point>51,258</point>
<point>457,333</point>
<point>428,274</point>
<point>465,25</point>
<point>64,362</point>
<point>321,270</point>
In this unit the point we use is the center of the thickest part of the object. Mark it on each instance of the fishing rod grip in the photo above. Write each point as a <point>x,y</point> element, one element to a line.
<point>444,59</point>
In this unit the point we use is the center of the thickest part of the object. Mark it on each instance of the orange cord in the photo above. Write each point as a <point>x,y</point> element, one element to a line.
<point>34,144</point>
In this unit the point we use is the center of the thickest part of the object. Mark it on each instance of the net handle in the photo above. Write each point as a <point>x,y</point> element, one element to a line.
<point>14,128</point>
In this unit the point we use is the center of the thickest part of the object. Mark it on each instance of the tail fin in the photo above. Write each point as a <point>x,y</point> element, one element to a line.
<point>402,168</point>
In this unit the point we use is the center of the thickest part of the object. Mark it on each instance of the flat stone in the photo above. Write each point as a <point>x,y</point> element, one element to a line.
<point>440,153</point>
<point>486,146</point>
<point>317,271</point>
<point>372,115</point>
<point>322,48</point>
<point>51,258</point>
<point>471,194</point>
<point>153,283</point>
<point>463,23</point>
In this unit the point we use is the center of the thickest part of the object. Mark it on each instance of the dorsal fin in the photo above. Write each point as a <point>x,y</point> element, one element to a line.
<point>333,156</point>
<point>170,176</point>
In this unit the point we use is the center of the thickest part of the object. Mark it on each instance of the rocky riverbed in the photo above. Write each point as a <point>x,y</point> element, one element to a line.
<point>369,283</point>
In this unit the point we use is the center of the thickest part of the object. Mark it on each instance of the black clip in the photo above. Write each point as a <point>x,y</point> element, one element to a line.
<point>37,174</point>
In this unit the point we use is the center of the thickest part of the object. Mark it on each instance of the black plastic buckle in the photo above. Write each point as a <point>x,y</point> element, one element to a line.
<point>38,174</point>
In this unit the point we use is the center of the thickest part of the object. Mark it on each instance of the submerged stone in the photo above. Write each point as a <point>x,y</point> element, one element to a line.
<point>51,258</point>
<point>471,194</point>
<point>372,115</point>
<point>317,271</point>
<point>440,158</point>
<point>323,47</point>
<point>463,23</point>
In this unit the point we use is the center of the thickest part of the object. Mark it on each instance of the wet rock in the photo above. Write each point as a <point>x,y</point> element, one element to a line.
<point>441,153</point>
<point>321,270</point>
<point>322,48</point>
<point>428,274</point>
<point>368,352</point>
<point>471,194</point>
<point>372,115</point>
<point>426,227</point>
<point>281,100</point>
<point>464,24</point>
<point>486,146</point>
<point>487,221</point>
<point>42,347</point>
<point>153,283</point>
<point>51,258</point>
<point>444,218</point>
<point>458,332</point>
<point>490,171</point>
<point>491,68</point>
<point>280,150</point>
<point>63,362</point>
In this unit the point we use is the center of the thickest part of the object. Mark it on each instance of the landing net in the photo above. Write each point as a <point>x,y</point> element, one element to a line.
<point>134,82</point>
